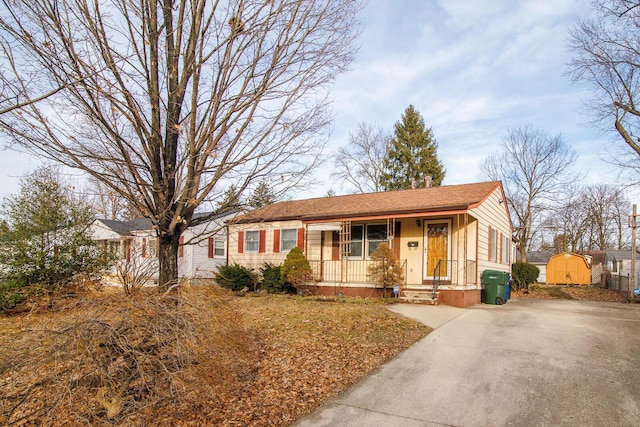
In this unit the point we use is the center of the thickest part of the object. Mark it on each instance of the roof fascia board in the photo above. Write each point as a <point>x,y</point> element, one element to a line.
<point>389,215</point>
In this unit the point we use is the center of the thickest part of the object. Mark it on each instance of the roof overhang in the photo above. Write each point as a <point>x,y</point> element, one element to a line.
<point>394,215</point>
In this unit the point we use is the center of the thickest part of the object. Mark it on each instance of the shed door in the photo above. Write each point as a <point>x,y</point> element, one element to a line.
<point>436,236</point>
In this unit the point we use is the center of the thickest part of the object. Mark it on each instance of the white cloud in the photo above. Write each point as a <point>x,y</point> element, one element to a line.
<point>473,69</point>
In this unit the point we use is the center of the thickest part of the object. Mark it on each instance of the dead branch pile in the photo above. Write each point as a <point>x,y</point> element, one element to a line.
<point>117,359</point>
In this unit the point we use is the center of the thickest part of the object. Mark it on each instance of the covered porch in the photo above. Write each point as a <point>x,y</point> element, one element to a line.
<point>437,251</point>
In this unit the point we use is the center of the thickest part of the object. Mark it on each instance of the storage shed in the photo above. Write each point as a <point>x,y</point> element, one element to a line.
<point>569,269</point>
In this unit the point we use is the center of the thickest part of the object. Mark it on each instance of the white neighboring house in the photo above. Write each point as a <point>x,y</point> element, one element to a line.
<point>202,247</point>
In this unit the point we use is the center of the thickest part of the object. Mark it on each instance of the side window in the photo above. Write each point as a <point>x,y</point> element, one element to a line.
<point>505,249</point>
<point>357,235</point>
<point>376,234</point>
<point>288,239</point>
<point>153,248</point>
<point>218,248</point>
<point>251,241</point>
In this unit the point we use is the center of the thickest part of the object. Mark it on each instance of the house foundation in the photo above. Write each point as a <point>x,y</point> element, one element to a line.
<point>453,298</point>
<point>459,298</point>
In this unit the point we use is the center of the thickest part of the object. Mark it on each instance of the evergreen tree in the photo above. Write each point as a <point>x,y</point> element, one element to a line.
<point>230,200</point>
<point>263,195</point>
<point>46,240</point>
<point>412,154</point>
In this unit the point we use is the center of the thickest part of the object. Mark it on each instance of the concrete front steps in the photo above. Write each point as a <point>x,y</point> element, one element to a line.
<point>418,295</point>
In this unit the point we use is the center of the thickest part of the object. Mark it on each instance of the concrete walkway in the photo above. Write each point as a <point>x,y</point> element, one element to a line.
<point>431,315</point>
<point>526,363</point>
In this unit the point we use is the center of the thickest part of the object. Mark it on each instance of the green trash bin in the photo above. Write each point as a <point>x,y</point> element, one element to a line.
<point>495,286</point>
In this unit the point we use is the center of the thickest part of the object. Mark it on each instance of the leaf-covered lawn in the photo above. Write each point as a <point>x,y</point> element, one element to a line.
<point>580,293</point>
<point>257,360</point>
<point>310,350</point>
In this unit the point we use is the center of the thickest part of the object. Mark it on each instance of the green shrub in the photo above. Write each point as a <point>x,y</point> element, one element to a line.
<point>296,270</point>
<point>272,281</point>
<point>13,296</point>
<point>235,277</point>
<point>524,274</point>
<point>10,296</point>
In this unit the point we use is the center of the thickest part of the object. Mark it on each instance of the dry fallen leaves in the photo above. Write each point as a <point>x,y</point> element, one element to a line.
<point>581,293</point>
<point>287,355</point>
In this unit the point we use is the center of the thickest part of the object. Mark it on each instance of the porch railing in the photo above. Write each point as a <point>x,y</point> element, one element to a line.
<point>453,272</point>
<point>356,271</point>
<point>437,272</point>
<point>347,271</point>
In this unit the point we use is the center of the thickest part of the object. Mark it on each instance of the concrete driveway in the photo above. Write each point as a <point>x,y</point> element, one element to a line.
<point>526,363</point>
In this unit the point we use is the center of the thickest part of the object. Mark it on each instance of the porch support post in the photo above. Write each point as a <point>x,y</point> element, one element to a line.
<point>465,243</point>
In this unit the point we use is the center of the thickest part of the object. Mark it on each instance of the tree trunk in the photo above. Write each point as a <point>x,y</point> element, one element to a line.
<point>168,261</point>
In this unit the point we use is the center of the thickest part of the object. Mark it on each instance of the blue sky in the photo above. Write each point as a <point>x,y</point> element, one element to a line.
<point>473,68</point>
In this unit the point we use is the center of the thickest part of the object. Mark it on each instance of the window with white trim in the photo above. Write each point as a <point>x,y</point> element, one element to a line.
<point>505,249</point>
<point>357,240</point>
<point>152,251</point>
<point>251,241</point>
<point>288,239</point>
<point>376,234</point>
<point>366,238</point>
<point>219,247</point>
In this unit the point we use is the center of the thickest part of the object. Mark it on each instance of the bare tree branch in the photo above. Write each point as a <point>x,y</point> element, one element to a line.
<point>167,103</point>
<point>607,56</point>
<point>534,169</point>
<point>361,162</point>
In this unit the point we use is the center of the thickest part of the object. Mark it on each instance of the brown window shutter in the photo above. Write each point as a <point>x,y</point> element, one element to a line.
<point>144,248</point>
<point>335,246</point>
<point>262,242</point>
<point>240,242</point>
<point>276,241</point>
<point>499,243</point>
<point>181,247</point>
<point>301,239</point>
<point>396,240</point>
<point>489,246</point>
<point>210,248</point>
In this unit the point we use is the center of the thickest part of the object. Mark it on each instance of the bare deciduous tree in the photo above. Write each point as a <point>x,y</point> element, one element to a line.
<point>109,204</point>
<point>588,218</point>
<point>362,161</point>
<point>568,221</point>
<point>167,103</point>
<point>533,167</point>
<point>607,209</point>
<point>606,56</point>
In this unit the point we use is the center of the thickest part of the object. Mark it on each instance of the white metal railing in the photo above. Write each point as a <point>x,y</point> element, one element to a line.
<point>347,270</point>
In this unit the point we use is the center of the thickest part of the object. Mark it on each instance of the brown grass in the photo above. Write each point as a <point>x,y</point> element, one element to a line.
<point>198,357</point>
<point>580,293</point>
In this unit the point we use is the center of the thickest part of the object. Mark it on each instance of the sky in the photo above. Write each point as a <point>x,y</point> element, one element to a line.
<point>473,68</point>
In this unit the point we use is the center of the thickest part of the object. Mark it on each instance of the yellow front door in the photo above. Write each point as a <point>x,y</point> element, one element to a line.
<point>437,248</point>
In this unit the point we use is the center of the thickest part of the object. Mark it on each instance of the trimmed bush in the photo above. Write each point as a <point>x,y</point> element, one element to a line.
<point>235,277</point>
<point>272,281</point>
<point>524,274</point>
<point>296,270</point>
